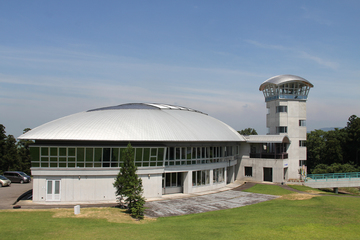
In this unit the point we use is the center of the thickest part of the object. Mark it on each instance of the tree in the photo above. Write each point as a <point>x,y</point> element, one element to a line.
<point>11,159</point>
<point>128,185</point>
<point>24,153</point>
<point>2,146</point>
<point>248,131</point>
<point>352,145</point>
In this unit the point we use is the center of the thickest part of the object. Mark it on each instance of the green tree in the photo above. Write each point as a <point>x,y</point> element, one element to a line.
<point>352,145</point>
<point>2,147</point>
<point>248,131</point>
<point>11,159</point>
<point>315,145</point>
<point>129,186</point>
<point>24,153</point>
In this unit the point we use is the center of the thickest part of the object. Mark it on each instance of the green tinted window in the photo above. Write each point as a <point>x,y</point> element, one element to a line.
<point>160,154</point>
<point>146,154</point>
<point>53,159</point>
<point>62,151</point>
<point>34,153</point>
<point>115,155</point>
<point>80,156</point>
<point>138,154</point>
<point>89,154</point>
<point>153,151</point>
<point>44,151</point>
<point>71,151</point>
<point>35,164</point>
<point>53,151</point>
<point>98,153</point>
<point>44,159</point>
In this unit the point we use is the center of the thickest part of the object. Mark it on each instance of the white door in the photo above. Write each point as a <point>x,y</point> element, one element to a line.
<point>53,190</point>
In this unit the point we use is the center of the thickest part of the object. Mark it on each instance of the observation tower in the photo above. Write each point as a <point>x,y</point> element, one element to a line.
<point>285,97</point>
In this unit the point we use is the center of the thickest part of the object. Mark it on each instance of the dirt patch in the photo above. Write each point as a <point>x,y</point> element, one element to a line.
<point>297,196</point>
<point>115,215</point>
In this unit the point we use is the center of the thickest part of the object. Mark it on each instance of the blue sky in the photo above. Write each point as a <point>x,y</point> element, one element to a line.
<point>62,57</point>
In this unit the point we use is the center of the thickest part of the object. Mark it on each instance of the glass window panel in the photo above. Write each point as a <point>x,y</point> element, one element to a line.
<point>145,164</point>
<point>80,154</point>
<point>62,165</point>
<point>106,157</point>
<point>152,164</point>
<point>179,179</point>
<point>71,151</point>
<point>87,164</point>
<point>53,159</point>
<point>35,153</point>
<point>53,165</point>
<point>44,151</point>
<point>152,158</point>
<point>183,153</point>
<point>35,164</point>
<point>177,152</point>
<point>153,151</point>
<point>49,187</point>
<point>71,165</point>
<point>168,179</point>
<point>80,164</point>
<point>194,155</point>
<point>44,164</point>
<point>71,159</point>
<point>194,178</point>
<point>115,155</point>
<point>62,151</point>
<point>198,178</point>
<point>146,154</point>
<point>159,164</point>
<point>188,153</point>
<point>57,187</point>
<point>98,153</point>
<point>171,153</point>
<point>89,154</point>
<point>62,159</point>
<point>160,154</point>
<point>53,151</point>
<point>138,154</point>
<point>44,159</point>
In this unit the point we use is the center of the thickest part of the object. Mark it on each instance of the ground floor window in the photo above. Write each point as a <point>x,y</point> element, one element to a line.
<point>218,175</point>
<point>268,174</point>
<point>201,177</point>
<point>248,171</point>
<point>172,179</point>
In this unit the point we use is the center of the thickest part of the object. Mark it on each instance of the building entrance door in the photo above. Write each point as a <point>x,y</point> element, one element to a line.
<point>172,183</point>
<point>53,190</point>
<point>268,174</point>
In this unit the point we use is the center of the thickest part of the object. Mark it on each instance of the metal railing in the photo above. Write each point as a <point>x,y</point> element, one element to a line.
<point>333,177</point>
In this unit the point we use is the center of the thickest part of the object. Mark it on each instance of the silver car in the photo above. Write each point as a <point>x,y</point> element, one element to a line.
<point>4,181</point>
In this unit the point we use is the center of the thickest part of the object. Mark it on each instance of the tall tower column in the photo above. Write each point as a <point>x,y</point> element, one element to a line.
<point>285,97</point>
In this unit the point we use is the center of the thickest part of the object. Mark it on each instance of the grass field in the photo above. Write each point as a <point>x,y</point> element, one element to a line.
<point>319,217</point>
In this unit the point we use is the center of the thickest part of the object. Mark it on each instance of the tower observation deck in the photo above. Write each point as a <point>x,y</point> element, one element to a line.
<point>285,87</point>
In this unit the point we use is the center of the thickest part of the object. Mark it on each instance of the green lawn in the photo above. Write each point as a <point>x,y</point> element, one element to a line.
<point>325,217</point>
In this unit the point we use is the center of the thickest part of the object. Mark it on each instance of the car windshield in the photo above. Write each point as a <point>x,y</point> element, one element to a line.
<point>23,174</point>
<point>3,178</point>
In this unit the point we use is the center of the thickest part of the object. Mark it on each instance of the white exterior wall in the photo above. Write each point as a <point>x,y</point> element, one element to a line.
<point>96,185</point>
<point>296,110</point>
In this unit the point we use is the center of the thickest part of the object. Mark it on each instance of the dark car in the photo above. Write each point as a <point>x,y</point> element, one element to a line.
<point>16,176</point>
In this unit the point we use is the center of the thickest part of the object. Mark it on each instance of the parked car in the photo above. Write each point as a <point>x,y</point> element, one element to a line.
<point>16,176</point>
<point>4,181</point>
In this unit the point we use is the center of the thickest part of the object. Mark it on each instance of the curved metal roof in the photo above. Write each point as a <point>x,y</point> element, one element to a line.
<point>136,122</point>
<point>280,79</point>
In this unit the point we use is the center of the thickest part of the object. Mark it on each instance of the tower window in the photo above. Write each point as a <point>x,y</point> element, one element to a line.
<point>302,123</point>
<point>281,129</point>
<point>302,163</point>
<point>281,109</point>
<point>302,143</point>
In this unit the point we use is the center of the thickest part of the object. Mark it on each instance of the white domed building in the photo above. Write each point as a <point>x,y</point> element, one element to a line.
<point>177,149</point>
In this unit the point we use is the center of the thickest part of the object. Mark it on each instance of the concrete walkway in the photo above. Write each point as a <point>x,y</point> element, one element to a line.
<point>230,196</point>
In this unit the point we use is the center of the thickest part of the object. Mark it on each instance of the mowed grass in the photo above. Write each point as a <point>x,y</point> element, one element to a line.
<point>321,217</point>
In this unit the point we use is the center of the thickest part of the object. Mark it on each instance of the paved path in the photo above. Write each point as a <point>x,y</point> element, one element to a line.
<point>205,203</point>
<point>8,195</point>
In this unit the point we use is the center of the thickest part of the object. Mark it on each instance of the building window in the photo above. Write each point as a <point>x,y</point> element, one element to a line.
<point>248,171</point>
<point>302,143</point>
<point>281,109</point>
<point>281,129</point>
<point>218,175</point>
<point>302,163</point>
<point>201,177</point>
<point>302,123</point>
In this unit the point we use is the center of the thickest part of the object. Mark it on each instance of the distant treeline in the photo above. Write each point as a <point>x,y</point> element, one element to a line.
<point>337,150</point>
<point>14,155</point>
